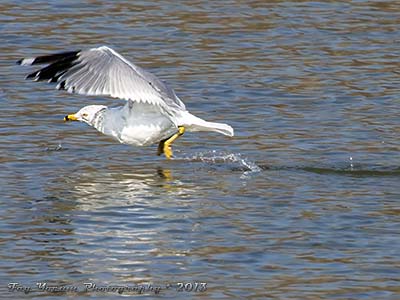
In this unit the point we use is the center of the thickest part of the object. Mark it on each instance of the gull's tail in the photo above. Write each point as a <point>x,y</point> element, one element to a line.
<point>193,123</point>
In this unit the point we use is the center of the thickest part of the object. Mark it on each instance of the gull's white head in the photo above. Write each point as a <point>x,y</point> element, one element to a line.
<point>88,114</point>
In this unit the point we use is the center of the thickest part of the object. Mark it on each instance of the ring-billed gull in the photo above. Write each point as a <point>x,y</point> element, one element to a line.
<point>153,112</point>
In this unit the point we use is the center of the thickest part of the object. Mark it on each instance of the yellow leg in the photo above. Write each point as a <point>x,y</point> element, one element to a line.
<point>165,145</point>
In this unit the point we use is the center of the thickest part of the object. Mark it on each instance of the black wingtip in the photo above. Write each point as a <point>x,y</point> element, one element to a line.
<point>32,75</point>
<point>61,86</point>
<point>18,62</point>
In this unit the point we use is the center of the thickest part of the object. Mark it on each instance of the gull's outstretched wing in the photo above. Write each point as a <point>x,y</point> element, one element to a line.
<point>102,71</point>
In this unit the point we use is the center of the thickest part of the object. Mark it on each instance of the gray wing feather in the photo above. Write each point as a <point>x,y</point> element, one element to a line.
<point>102,71</point>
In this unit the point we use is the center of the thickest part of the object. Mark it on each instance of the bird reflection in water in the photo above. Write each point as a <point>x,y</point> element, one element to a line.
<point>96,189</point>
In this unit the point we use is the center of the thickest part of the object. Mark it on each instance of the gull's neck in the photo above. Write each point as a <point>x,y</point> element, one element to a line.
<point>97,120</point>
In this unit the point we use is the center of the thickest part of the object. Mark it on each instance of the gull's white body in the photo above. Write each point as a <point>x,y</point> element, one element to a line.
<point>152,112</point>
<point>135,124</point>
<point>142,124</point>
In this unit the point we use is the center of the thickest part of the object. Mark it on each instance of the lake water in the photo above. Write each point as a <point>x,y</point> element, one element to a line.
<point>303,203</point>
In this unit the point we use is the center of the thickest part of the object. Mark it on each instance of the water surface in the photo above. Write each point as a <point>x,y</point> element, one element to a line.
<point>303,203</point>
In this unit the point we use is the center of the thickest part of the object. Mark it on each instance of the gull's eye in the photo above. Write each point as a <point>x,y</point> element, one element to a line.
<point>84,115</point>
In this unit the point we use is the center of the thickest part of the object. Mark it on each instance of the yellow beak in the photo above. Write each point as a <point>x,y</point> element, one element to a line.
<point>70,118</point>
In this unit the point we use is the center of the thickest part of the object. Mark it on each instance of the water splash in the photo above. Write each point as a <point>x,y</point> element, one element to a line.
<point>59,147</point>
<point>239,163</point>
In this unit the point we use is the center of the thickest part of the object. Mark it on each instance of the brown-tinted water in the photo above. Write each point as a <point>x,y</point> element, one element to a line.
<point>303,203</point>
